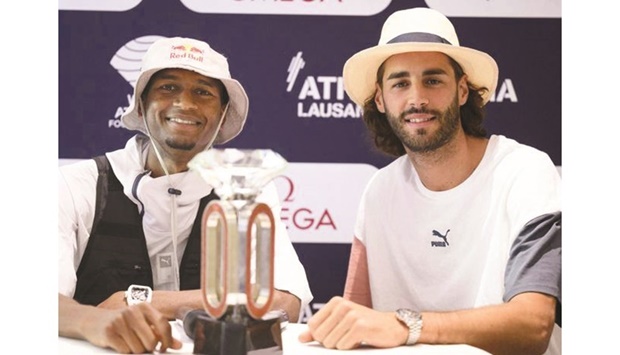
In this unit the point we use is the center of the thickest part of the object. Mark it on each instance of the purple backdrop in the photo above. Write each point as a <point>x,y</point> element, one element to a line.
<point>301,114</point>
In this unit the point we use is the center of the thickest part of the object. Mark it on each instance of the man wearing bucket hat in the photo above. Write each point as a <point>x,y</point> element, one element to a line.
<point>129,221</point>
<point>459,239</point>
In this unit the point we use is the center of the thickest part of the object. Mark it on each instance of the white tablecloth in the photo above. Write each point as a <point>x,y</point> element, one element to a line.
<point>291,346</point>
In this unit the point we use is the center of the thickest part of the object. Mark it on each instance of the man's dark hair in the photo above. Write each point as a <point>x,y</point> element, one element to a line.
<point>472,114</point>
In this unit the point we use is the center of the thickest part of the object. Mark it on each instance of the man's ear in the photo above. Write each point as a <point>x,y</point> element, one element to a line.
<point>379,99</point>
<point>463,91</point>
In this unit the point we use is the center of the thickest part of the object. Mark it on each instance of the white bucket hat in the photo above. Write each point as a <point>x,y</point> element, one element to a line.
<point>416,30</point>
<point>197,56</point>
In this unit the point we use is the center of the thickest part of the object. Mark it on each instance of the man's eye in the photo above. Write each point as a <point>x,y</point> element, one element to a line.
<point>203,92</point>
<point>401,84</point>
<point>168,87</point>
<point>433,81</point>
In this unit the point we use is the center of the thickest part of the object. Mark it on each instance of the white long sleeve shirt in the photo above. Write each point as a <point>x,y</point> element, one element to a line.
<point>77,195</point>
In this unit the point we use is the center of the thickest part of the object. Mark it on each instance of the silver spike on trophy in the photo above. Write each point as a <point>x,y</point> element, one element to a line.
<point>238,236</point>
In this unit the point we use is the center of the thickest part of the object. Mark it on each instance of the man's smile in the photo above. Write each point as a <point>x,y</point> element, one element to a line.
<point>419,118</point>
<point>183,121</point>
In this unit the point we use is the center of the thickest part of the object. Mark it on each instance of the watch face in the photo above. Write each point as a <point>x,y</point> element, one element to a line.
<point>138,294</point>
<point>406,315</point>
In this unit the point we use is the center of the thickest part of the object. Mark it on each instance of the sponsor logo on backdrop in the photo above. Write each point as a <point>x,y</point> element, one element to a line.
<point>318,95</point>
<point>303,218</point>
<point>297,64</point>
<point>498,8</point>
<point>98,5</point>
<point>319,200</point>
<point>289,7</point>
<point>127,61</point>
<point>505,92</point>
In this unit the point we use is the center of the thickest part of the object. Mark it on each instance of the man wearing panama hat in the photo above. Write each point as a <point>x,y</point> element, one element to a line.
<point>459,239</point>
<point>138,229</point>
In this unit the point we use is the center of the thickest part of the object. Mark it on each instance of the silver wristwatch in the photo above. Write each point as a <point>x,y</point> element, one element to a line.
<point>137,294</point>
<point>413,321</point>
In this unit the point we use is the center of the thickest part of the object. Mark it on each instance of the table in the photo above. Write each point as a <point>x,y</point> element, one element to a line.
<point>67,346</point>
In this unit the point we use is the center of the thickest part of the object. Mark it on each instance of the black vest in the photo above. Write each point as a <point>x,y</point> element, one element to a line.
<point>116,255</point>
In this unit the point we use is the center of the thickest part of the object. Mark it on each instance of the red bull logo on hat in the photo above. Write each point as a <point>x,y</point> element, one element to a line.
<point>196,50</point>
<point>186,51</point>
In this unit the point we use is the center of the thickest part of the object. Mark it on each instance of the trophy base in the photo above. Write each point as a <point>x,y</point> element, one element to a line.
<point>241,336</point>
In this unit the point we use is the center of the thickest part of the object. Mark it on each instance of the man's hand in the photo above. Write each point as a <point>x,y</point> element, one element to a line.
<point>134,329</point>
<point>342,324</point>
<point>287,302</point>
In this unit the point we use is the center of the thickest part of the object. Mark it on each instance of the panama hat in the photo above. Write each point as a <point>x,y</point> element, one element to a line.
<point>416,30</point>
<point>197,56</point>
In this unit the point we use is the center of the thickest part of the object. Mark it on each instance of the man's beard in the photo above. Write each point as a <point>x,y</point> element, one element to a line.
<point>422,142</point>
<point>187,146</point>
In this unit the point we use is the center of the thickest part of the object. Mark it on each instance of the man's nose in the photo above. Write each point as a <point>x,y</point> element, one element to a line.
<point>185,100</point>
<point>417,96</point>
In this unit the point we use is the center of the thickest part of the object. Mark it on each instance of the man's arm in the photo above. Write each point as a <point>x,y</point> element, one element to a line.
<point>136,329</point>
<point>357,286</point>
<point>521,326</point>
<point>170,302</point>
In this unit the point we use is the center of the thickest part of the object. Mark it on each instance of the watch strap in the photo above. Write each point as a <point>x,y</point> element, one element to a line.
<point>413,321</point>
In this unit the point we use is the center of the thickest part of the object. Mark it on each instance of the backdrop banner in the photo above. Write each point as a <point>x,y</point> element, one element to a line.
<point>288,55</point>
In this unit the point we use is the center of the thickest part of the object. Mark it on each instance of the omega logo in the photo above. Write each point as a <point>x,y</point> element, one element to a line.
<point>303,217</point>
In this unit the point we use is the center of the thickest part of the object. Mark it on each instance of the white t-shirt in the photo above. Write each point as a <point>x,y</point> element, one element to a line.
<point>77,195</point>
<point>448,250</point>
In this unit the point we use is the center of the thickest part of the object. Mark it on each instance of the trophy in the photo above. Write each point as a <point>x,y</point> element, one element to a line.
<point>238,236</point>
